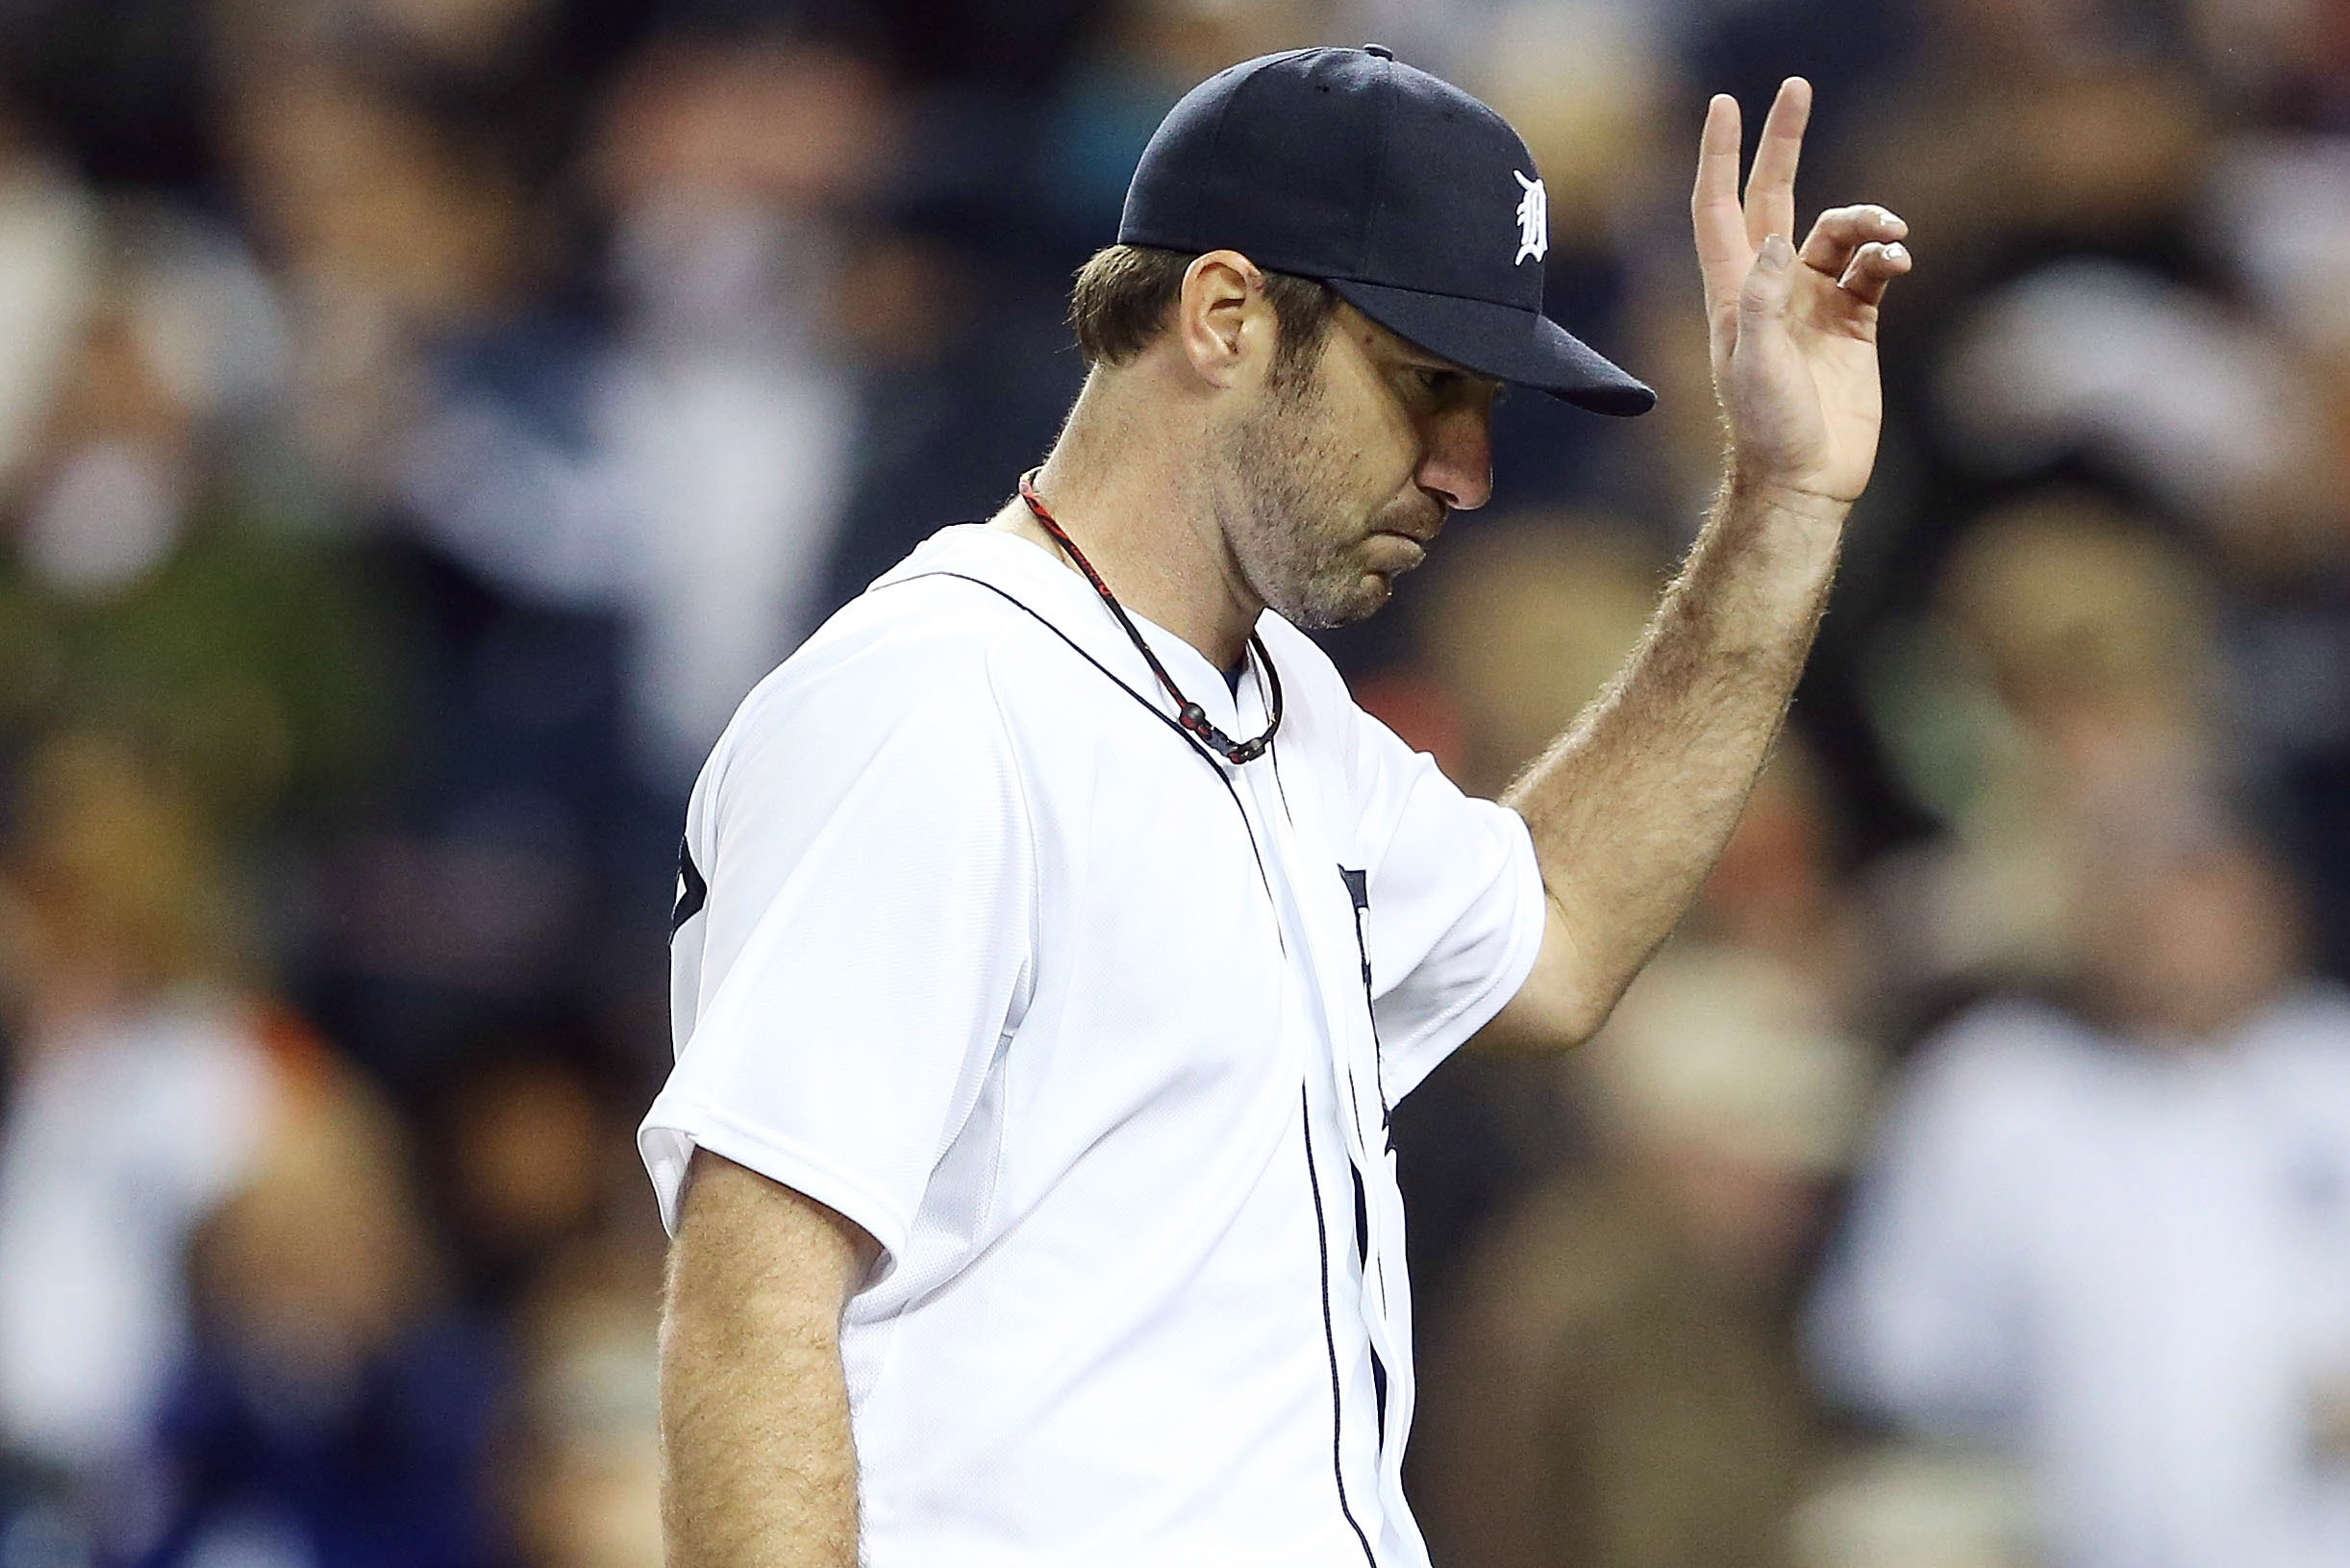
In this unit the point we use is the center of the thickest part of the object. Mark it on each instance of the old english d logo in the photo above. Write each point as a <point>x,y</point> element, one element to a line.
<point>1532,220</point>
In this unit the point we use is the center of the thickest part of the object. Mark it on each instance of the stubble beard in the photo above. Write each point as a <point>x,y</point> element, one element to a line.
<point>1302,558</point>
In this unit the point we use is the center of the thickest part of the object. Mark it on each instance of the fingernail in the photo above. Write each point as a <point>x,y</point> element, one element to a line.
<point>1777,253</point>
<point>1895,252</point>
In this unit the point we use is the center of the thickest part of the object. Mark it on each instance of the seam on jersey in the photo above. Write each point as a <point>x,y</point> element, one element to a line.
<point>1330,1335</point>
<point>1281,786</point>
<point>1028,817</point>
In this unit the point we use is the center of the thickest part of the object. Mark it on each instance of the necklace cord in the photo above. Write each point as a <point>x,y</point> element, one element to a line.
<point>1187,713</point>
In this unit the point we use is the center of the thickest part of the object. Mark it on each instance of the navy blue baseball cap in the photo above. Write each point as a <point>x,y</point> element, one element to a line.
<point>1416,203</point>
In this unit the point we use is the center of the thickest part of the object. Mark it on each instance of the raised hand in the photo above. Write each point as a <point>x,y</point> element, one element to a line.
<point>1794,332</point>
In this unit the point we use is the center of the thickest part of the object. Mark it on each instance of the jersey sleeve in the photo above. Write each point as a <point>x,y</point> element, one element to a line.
<point>1456,908</point>
<point>865,941</point>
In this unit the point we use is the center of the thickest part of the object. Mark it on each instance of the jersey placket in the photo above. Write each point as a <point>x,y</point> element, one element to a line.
<point>1326,965</point>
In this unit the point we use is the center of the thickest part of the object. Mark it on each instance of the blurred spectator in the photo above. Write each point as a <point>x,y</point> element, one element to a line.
<point>2285,60</point>
<point>1617,1387</point>
<point>528,1132</point>
<point>48,243</point>
<point>584,1484</point>
<point>2198,406</point>
<point>1905,1507</point>
<point>2031,123</point>
<point>2278,206</point>
<point>1781,890</point>
<point>1522,622</point>
<point>690,473</point>
<point>142,1087</point>
<point>156,581</point>
<point>164,1108</point>
<point>2073,654</point>
<point>2113,1237</point>
<point>334,1413</point>
<point>393,234</point>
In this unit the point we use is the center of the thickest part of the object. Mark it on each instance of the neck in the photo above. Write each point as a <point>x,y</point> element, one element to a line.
<point>1126,481</point>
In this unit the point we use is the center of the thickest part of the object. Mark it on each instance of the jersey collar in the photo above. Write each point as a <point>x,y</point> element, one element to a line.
<point>1048,587</point>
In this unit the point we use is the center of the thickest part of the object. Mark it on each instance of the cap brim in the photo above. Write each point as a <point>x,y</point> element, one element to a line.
<point>1523,347</point>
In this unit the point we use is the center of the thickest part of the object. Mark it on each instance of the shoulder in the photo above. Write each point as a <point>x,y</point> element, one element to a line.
<point>902,647</point>
<point>903,678</point>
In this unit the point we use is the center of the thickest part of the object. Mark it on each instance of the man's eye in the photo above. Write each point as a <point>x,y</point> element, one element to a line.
<point>1440,383</point>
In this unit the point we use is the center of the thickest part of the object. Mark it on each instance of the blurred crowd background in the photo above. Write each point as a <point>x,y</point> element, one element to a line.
<point>421,420</point>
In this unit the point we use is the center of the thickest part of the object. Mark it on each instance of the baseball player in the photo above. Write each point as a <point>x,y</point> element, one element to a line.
<point>1055,935</point>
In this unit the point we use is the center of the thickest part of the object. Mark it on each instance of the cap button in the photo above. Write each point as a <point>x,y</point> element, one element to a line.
<point>1379,50</point>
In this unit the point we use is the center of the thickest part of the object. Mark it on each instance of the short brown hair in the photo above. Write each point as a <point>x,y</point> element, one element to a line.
<point>1125,293</point>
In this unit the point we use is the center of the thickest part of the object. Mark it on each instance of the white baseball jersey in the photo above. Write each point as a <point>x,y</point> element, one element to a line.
<point>2130,1260</point>
<point>1096,1035</point>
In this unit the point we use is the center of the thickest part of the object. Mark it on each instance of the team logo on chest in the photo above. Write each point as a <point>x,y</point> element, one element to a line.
<point>1533,220</point>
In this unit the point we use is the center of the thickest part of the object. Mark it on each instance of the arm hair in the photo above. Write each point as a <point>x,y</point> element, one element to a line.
<point>759,1470</point>
<point>1632,805</point>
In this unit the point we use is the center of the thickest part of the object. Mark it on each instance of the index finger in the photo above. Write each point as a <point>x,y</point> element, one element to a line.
<point>1723,253</point>
<point>1771,185</point>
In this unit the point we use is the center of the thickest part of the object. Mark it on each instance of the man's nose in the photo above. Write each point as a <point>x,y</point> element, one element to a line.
<point>1458,467</point>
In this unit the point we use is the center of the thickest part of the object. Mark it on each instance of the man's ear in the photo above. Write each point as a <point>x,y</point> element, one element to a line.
<point>1222,320</point>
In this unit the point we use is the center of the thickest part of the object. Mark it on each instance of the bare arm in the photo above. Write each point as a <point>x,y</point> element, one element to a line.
<point>1631,807</point>
<point>759,1471</point>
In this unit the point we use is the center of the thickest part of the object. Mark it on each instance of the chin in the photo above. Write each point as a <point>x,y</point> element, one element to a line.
<point>1364,598</point>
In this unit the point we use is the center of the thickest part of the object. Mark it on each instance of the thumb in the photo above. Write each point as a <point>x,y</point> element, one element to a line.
<point>1769,283</point>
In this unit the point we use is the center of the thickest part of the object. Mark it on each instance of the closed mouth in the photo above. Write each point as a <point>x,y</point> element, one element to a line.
<point>1422,536</point>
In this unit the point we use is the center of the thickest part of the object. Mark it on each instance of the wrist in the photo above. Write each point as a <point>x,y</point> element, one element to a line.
<point>1798,502</point>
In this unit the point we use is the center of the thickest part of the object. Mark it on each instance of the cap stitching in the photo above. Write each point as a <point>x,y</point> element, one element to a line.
<point>1194,236</point>
<point>1377,205</point>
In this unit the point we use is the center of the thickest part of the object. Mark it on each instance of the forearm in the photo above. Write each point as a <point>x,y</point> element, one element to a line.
<point>759,1467</point>
<point>1630,809</point>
